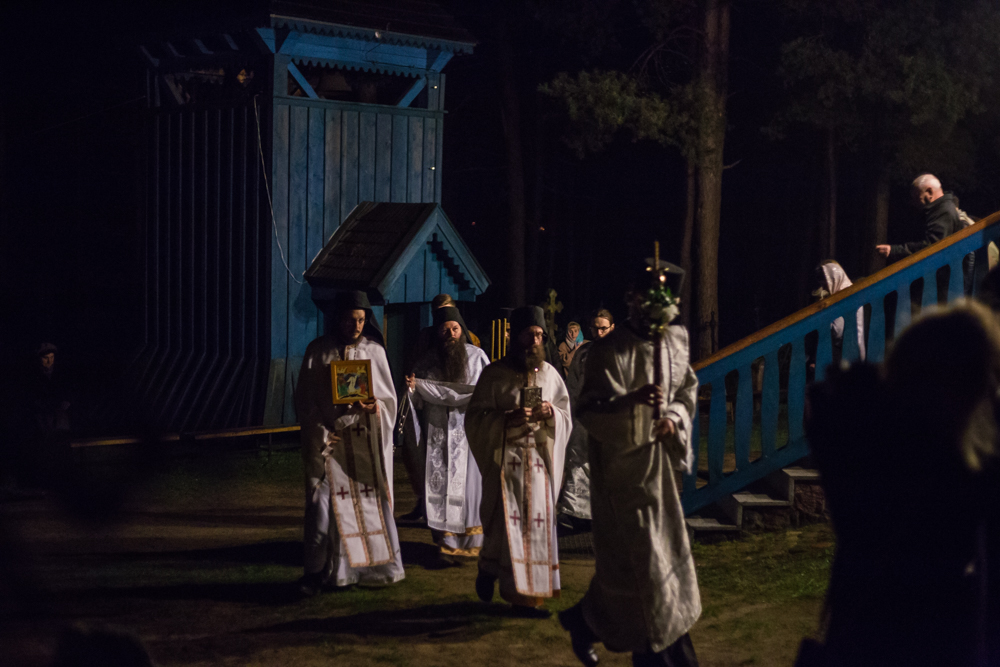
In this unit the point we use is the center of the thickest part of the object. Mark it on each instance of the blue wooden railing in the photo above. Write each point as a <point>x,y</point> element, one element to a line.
<point>729,466</point>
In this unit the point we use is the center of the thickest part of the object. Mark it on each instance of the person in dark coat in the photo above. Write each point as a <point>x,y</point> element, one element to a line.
<point>940,218</point>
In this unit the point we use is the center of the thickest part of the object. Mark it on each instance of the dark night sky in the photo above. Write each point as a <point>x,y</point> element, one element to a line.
<point>70,202</point>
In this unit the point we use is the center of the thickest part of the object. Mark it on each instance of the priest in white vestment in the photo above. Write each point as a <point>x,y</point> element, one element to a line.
<point>644,595</point>
<point>520,452</point>
<point>350,534</point>
<point>440,388</point>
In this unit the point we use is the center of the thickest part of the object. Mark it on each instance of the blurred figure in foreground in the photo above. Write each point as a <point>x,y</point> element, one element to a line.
<point>909,465</point>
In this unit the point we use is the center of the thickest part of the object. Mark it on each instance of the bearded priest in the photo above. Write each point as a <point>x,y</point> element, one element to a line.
<point>440,388</point>
<point>518,424</point>
<point>350,534</point>
<point>637,403</point>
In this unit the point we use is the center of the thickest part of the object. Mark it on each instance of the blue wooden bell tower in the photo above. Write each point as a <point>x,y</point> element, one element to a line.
<point>265,132</point>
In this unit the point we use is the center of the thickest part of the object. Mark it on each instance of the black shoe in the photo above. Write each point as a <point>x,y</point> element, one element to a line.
<point>416,515</point>
<point>310,584</point>
<point>580,636</point>
<point>522,611</point>
<point>443,562</point>
<point>484,586</point>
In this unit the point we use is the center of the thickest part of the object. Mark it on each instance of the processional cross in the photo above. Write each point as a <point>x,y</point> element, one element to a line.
<point>552,307</point>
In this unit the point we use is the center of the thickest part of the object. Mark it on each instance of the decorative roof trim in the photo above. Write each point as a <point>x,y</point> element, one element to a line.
<point>341,30</point>
<point>376,68</point>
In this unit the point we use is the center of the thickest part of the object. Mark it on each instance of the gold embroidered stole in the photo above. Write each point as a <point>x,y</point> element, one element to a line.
<point>356,472</point>
<point>527,503</point>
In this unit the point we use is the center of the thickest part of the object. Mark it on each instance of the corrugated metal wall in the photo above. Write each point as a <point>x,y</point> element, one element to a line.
<point>328,157</point>
<point>207,274</point>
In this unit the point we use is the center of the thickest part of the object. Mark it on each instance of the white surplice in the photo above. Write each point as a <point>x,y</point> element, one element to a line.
<point>575,497</point>
<point>453,486</point>
<point>644,594</point>
<point>522,469</point>
<point>350,533</point>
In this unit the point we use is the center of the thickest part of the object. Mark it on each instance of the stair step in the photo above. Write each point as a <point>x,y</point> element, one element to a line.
<point>759,500</point>
<point>699,523</point>
<point>802,474</point>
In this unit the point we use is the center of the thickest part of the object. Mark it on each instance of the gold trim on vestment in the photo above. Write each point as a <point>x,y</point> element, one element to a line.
<point>472,552</point>
<point>475,530</point>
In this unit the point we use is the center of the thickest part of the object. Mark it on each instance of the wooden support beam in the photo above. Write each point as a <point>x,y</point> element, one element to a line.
<point>168,79</point>
<point>281,75</point>
<point>412,93</point>
<point>153,62</point>
<point>285,43</point>
<point>436,60</point>
<point>301,80</point>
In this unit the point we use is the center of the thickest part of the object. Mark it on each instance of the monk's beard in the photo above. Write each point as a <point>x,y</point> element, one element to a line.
<point>454,360</point>
<point>527,359</point>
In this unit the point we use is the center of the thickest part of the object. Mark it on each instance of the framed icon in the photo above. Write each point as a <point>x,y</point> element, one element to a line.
<point>352,380</point>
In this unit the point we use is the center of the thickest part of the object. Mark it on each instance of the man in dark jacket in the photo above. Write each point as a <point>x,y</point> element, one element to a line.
<point>940,218</point>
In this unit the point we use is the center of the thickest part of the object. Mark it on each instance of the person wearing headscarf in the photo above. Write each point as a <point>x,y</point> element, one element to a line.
<point>440,388</point>
<point>832,279</point>
<point>350,534</point>
<point>644,596</point>
<point>569,346</point>
<point>518,424</point>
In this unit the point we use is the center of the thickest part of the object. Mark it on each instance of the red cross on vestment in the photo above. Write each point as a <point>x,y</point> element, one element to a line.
<point>366,490</point>
<point>539,521</point>
<point>342,493</point>
<point>515,517</point>
<point>514,464</point>
<point>539,466</point>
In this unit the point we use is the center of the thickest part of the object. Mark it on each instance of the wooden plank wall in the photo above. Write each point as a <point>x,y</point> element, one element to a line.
<point>206,234</point>
<point>326,158</point>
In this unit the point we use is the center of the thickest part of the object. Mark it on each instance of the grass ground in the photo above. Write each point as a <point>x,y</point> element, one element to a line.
<point>200,562</point>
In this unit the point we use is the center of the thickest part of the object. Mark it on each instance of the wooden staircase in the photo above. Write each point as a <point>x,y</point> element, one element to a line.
<point>730,492</point>
<point>787,497</point>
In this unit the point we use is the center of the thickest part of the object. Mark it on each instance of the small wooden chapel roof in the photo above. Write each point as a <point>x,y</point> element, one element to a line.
<point>398,253</point>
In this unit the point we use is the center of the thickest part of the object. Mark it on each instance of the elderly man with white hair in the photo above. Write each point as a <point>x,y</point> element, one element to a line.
<point>940,218</point>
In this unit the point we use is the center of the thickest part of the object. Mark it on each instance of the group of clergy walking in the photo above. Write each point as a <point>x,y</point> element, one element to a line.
<point>497,440</point>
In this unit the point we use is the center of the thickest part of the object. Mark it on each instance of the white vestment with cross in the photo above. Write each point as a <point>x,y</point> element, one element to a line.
<point>522,470</point>
<point>350,532</point>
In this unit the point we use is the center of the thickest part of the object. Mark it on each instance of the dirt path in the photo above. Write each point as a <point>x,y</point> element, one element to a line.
<point>200,566</point>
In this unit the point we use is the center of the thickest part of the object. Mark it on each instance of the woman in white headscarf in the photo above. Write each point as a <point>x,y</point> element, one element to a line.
<point>568,348</point>
<point>832,279</point>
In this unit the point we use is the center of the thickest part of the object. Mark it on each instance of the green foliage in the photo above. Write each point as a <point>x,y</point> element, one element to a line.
<point>898,76</point>
<point>602,103</point>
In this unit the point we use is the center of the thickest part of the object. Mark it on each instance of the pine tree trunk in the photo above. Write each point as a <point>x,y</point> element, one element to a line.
<point>686,241</point>
<point>532,290</point>
<point>828,234</point>
<point>510,117</point>
<point>878,231</point>
<point>712,89</point>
